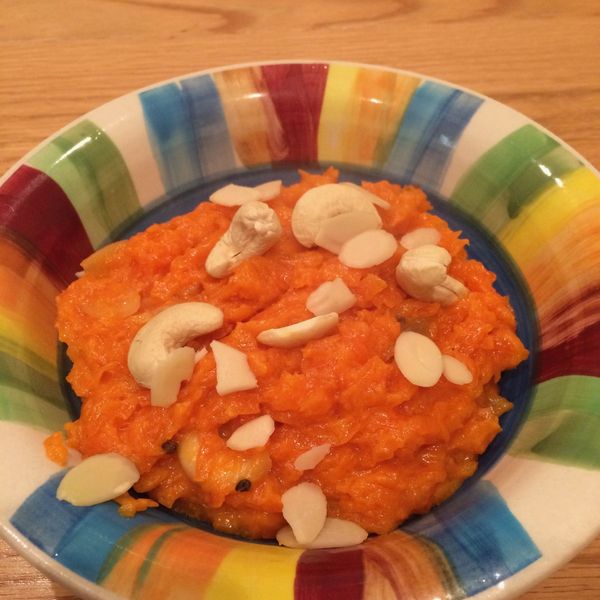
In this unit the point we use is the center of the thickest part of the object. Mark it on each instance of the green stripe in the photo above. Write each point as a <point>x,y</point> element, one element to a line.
<point>510,175</point>
<point>444,569</point>
<point>91,171</point>
<point>563,422</point>
<point>150,558</point>
<point>22,407</point>
<point>22,353</point>
<point>15,373</point>
<point>121,548</point>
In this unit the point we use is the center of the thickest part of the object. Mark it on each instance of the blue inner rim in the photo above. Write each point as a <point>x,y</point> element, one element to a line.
<point>515,385</point>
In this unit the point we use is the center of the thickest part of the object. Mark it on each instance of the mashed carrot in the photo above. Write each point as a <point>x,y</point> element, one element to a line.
<point>397,449</point>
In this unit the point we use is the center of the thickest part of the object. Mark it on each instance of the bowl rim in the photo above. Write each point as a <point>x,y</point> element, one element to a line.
<point>245,65</point>
<point>88,589</point>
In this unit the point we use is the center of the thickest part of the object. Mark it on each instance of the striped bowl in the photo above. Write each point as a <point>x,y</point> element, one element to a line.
<point>529,204</point>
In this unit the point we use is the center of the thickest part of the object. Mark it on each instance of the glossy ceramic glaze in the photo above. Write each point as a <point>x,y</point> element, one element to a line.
<point>535,202</point>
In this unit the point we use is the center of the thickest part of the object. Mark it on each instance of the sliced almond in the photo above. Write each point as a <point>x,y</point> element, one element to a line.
<point>336,533</point>
<point>253,434</point>
<point>233,372</point>
<point>368,249</point>
<point>331,296</point>
<point>299,333</point>
<point>311,458</point>
<point>200,354</point>
<point>336,231</point>
<point>422,236</point>
<point>372,197</point>
<point>305,510</point>
<point>235,195</point>
<point>169,374</point>
<point>418,358</point>
<point>456,371</point>
<point>187,453</point>
<point>97,479</point>
<point>269,190</point>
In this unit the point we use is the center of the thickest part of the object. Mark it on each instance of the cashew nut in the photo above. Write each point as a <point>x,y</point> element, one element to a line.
<point>324,202</point>
<point>166,331</point>
<point>253,230</point>
<point>422,274</point>
<point>299,333</point>
<point>376,200</point>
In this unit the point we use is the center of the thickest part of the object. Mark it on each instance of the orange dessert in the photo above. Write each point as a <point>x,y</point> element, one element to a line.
<point>387,447</point>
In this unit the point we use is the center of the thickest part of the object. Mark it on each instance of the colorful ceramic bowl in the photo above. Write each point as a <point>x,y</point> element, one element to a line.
<point>529,204</point>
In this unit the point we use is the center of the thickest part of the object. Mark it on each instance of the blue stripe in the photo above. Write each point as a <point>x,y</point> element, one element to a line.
<point>213,141</point>
<point>171,135</point>
<point>430,129</point>
<point>80,538</point>
<point>480,537</point>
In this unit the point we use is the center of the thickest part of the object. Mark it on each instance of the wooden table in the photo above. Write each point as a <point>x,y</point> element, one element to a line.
<point>61,58</point>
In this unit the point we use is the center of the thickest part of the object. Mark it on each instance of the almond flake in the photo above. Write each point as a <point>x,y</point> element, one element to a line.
<point>311,458</point>
<point>422,236</point>
<point>336,533</point>
<point>418,358</point>
<point>368,249</point>
<point>253,434</point>
<point>456,371</point>
<point>233,372</point>
<point>374,198</point>
<point>97,479</point>
<point>169,374</point>
<point>300,333</point>
<point>269,190</point>
<point>336,231</point>
<point>305,509</point>
<point>235,195</point>
<point>331,296</point>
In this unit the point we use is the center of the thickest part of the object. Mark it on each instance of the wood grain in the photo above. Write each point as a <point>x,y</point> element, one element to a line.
<point>61,59</point>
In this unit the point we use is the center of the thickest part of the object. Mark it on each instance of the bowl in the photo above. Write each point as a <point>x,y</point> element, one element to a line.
<point>530,206</point>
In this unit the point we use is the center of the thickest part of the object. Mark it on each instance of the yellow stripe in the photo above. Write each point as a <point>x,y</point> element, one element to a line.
<point>361,114</point>
<point>16,335</point>
<point>333,122</point>
<point>254,572</point>
<point>541,220</point>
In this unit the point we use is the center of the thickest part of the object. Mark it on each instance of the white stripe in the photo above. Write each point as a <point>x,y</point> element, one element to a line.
<point>123,121</point>
<point>490,124</point>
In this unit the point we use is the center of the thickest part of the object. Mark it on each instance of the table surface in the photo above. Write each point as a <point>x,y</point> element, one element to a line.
<point>60,59</point>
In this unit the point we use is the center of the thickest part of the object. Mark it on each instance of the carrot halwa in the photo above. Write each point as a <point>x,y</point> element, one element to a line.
<point>396,448</point>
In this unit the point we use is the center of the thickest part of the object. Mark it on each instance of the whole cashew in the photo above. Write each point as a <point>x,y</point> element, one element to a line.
<point>166,331</point>
<point>422,274</point>
<point>253,230</point>
<point>324,202</point>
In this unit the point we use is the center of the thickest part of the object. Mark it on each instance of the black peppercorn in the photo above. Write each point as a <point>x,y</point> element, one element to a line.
<point>170,446</point>
<point>243,485</point>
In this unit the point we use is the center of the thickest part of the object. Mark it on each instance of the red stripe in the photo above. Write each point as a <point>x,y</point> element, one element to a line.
<point>297,94</point>
<point>578,356</point>
<point>329,575</point>
<point>36,209</point>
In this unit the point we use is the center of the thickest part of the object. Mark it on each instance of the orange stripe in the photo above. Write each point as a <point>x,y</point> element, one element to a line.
<point>184,566</point>
<point>251,118</point>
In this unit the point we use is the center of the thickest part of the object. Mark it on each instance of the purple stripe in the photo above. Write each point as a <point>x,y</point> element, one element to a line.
<point>577,356</point>
<point>329,575</point>
<point>297,91</point>
<point>35,208</point>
